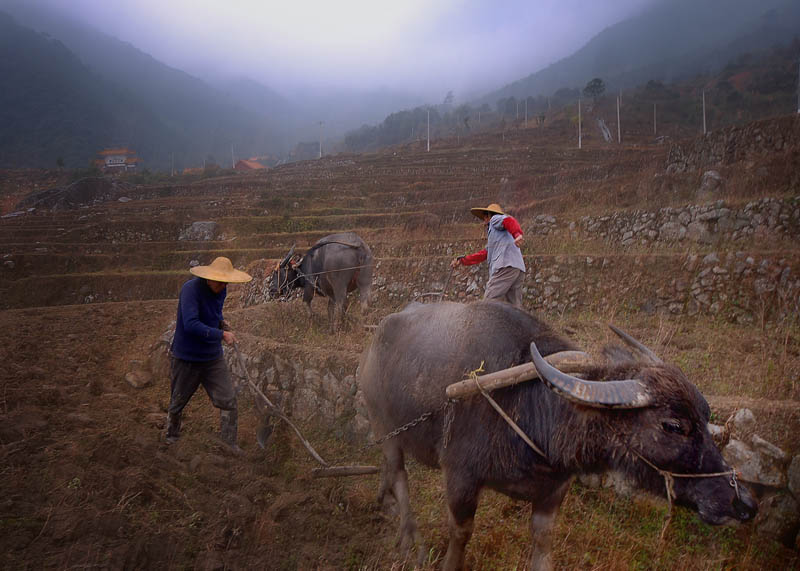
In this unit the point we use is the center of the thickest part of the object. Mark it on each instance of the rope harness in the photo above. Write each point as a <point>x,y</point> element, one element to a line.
<point>288,285</point>
<point>669,483</point>
<point>301,275</point>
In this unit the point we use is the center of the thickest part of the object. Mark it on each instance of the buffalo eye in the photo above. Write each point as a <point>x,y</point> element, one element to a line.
<point>673,426</point>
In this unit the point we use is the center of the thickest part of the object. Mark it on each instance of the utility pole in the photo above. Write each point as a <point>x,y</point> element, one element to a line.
<point>172,164</point>
<point>619,130</point>
<point>429,130</point>
<point>321,123</point>
<point>704,112</point>
<point>526,111</point>
<point>654,120</point>
<point>233,162</point>
<point>517,110</point>
<point>579,122</point>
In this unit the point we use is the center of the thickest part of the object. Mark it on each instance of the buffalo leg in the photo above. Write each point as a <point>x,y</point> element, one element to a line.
<point>334,315</point>
<point>462,502</point>
<point>364,284</point>
<point>395,482</point>
<point>308,296</point>
<point>543,519</point>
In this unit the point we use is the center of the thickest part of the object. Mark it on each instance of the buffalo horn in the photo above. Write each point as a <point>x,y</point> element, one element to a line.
<point>643,350</point>
<point>287,257</point>
<point>628,393</point>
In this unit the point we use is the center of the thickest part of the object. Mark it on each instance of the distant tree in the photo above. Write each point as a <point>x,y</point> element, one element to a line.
<point>60,162</point>
<point>449,99</point>
<point>595,88</point>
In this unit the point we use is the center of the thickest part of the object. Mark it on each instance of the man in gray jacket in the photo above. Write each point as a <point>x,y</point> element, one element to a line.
<point>506,266</point>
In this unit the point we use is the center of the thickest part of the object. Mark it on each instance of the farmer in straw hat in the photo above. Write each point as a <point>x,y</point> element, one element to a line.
<point>196,349</point>
<point>506,267</point>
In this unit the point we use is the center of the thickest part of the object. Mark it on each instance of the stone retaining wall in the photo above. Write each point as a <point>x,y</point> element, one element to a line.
<point>703,224</point>
<point>737,285</point>
<point>736,143</point>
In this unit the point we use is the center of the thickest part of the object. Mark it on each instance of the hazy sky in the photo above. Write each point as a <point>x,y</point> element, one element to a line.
<point>420,46</point>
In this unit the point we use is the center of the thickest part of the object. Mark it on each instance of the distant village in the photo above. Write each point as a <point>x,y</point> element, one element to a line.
<point>124,160</point>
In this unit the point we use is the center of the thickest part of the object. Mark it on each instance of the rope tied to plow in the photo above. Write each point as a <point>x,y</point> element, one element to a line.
<point>474,376</point>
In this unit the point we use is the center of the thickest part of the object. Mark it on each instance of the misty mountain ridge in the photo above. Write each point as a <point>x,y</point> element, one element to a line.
<point>672,40</point>
<point>53,107</point>
<point>209,115</point>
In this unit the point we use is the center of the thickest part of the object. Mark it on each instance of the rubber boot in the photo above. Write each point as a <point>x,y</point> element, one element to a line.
<point>229,429</point>
<point>173,428</point>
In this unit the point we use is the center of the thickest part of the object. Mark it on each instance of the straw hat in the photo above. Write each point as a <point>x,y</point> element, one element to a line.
<point>493,208</point>
<point>221,270</point>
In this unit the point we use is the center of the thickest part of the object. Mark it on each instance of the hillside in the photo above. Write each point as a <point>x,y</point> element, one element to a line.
<point>673,40</point>
<point>188,118</point>
<point>109,93</point>
<point>753,86</point>
<point>53,107</point>
<point>701,267</point>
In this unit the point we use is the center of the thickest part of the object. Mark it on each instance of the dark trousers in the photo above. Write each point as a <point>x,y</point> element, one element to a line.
<point>187,376</point>
<point>216,380</point>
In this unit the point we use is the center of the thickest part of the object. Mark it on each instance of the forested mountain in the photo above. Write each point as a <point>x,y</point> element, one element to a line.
<point>674,39</point>
<point>52,106</point>
<point>178,117</point>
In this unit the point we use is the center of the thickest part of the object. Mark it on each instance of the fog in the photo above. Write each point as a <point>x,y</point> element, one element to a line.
<point>421,47</point>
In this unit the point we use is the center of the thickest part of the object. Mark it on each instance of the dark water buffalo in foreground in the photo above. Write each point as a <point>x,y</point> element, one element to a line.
<point>334,266</point>
<point>655,414</point>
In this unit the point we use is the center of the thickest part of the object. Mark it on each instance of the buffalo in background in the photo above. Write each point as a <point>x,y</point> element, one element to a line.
<point>336,265</point>
<point>652,420</point>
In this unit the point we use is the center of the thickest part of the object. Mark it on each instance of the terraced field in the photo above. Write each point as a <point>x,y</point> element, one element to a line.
<point>87,293</point>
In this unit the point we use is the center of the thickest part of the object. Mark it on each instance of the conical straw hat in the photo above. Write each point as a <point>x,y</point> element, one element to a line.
<point>493,208</point>
<point>221,270</point>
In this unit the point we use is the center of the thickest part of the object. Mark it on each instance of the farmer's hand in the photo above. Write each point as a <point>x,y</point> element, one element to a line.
<point>229,337</point>
<point>519,240</point>
<point>455,263</point>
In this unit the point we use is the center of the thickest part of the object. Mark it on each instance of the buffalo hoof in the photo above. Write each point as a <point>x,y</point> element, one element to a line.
<point>412,546</point>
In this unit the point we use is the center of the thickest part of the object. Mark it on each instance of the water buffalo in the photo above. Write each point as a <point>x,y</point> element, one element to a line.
<point>334,266</point>
<point>653,418</point>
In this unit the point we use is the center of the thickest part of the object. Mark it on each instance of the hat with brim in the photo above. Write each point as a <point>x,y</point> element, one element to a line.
<point>221,270</point>
<point>493,208</point>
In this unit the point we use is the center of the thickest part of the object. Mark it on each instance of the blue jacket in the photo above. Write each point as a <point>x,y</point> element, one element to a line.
<point>198,335</point>
<point>501,251</point>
